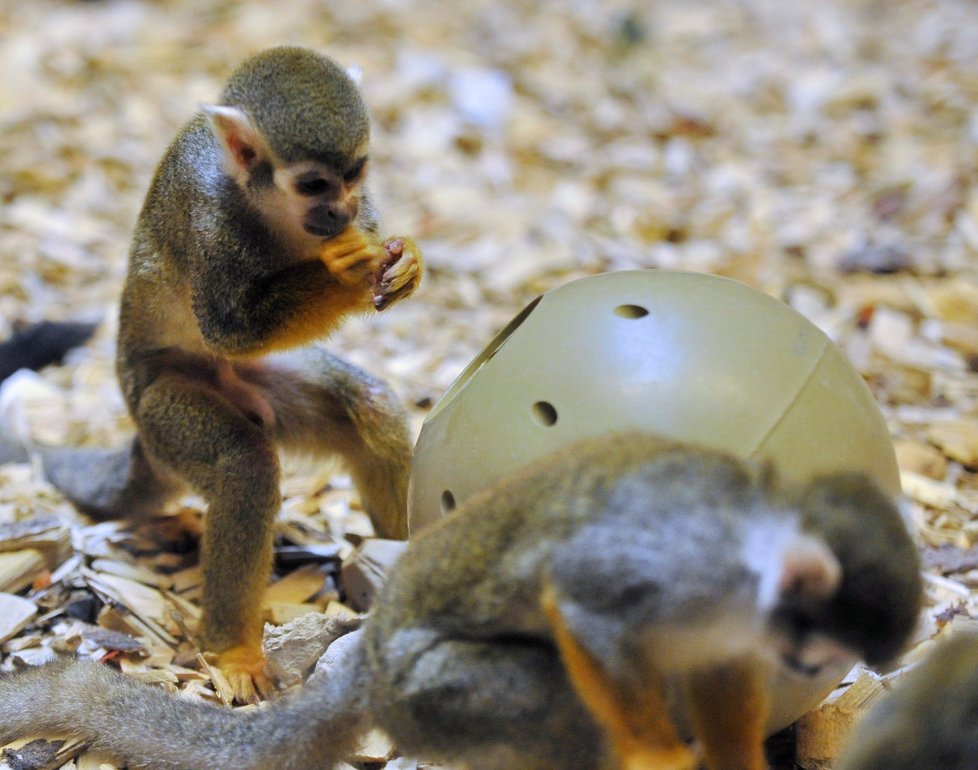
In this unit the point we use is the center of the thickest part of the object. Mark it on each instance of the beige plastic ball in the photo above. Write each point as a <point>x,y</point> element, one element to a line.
<point>685,355</point>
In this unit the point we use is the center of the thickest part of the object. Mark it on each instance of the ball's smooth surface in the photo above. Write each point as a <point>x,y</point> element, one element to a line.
<point>684,355</point>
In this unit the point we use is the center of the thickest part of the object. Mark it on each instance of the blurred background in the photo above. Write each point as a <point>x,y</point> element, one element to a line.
<point>803,148</point>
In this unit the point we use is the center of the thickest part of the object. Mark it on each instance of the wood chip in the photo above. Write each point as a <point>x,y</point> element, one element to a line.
<point>39,754</point>
<point>15,614</point>
<point>958,440</point>
<point>294,648</point>
<point>95,760</point>
<point>18,569</point>
<point>132,572</point>
<point>47,534</point>
<point>921,458</point>
<point>295,587</point>
<point>366,570</point>
<point>822,733</point>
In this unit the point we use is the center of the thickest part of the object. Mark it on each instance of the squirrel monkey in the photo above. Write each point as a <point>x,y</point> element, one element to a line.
<point>257,236</point>
<point>929,722</point>
<point>534,627</point>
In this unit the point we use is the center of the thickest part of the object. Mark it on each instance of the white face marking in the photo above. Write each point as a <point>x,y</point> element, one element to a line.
<point>764,550</point>
<point>789,562</point>
<point>815,654</point>
<point>692,646</point>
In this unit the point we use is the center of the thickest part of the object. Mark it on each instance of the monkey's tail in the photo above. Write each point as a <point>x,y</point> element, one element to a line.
<point>31,348</point>
<point>149,728</point>
<point>41,344</point>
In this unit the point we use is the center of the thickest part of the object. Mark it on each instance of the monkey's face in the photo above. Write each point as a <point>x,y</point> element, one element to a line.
<point>303,202</point>
<point>321,199</point>
<point>807,652</point>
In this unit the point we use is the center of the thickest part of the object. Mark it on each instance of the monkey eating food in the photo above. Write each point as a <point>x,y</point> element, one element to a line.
<point>536,626</point>
<point>256,237</point>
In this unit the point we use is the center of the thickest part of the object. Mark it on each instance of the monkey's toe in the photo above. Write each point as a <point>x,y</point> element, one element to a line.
<point>244,668</point>
<point>677,758</point>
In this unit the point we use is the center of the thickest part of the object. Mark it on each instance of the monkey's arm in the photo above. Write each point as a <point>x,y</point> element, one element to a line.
<point>154,730</point>
<point>729,707</point>
<point>260,312</point>
<point>639,728</point>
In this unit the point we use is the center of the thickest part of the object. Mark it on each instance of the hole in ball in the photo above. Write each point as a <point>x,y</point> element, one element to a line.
<point>447,501</point>
<point>631,311</point>
<point>480,360</point>
<point>544,413</point>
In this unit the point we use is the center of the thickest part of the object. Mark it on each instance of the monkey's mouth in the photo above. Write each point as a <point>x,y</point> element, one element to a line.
<point>321,231</point>
<point>799,666</point>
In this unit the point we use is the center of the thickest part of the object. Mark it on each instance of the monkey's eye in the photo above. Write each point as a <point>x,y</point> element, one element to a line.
<point>355,170</point>
<point>315,186</point>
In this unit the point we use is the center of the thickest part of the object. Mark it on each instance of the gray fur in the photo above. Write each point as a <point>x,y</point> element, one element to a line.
<point>322,116</point>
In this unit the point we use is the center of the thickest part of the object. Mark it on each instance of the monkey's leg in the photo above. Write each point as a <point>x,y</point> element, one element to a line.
<point>324,405</point>
<point>638,725</point>
<point>729,708</point>
<point>483,704</point>
<point>230,460</point>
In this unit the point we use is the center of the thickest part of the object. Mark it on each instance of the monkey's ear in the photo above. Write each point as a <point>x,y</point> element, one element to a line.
<point>239,138</point>
<point>809,569</point>
<point>355,73</point>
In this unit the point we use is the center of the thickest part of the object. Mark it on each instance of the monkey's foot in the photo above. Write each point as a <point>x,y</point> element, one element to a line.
<point>244,667</point>
<point>399,274</point>
<point>677,758</point>
<point>352,257</point>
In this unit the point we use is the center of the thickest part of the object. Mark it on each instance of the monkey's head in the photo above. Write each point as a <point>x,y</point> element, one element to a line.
<point>295,131</point>
<point>875,604</point>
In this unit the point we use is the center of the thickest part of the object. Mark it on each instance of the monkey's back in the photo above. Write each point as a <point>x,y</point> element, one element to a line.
<point>156,310</point>
<point>641,528</point>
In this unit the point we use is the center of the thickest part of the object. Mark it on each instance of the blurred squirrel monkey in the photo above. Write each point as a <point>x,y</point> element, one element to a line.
<point>930,721</point>
<point>257,235</point>
<point>532,629</point>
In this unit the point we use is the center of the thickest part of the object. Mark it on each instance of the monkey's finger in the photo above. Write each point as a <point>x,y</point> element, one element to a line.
<point>385,300</point>
<point>402,275</point>
<point>242,686</point>
<point>352,256</point>
<point>265,686</point>
<point>403,254</point>
<point>354,268</point>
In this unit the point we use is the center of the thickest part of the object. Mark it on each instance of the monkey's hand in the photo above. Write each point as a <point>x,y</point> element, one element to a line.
<point>399,274</point>
<point>353,257</point>
<point>244,668</point>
